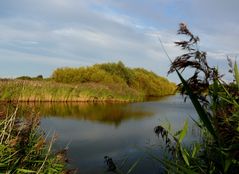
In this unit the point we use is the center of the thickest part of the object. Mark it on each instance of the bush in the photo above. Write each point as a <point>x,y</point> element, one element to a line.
<point>140,79</point>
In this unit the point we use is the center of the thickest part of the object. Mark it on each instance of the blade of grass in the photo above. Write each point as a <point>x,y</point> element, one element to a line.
<point>171,165</point>
<point>183,132</point>
<point>229,95</point>
<point>201,112</point>
<point>25,171</point>
<point>185,155</point>
<point>236,74</point>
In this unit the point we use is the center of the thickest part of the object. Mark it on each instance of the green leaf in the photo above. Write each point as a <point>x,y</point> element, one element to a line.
<point>185,155</point>
<point>3,164</point>
<point>196,148</point>
<point>236,74</point>
<point>183,132</point>
<point>230,96</point>
<point>201,112</point>
<point>176,168</point>
<point>26,171</point>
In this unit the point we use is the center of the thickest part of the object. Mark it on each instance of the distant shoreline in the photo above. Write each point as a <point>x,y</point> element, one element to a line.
<point>109,82</point>
<point>13,91</point>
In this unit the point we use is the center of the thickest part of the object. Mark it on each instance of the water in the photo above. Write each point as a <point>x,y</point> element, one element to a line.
<point>121,131</point>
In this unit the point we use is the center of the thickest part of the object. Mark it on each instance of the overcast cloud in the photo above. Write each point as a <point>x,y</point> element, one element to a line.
<point>38,36</point>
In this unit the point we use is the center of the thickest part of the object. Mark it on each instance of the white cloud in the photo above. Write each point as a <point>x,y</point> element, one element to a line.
<point>61,32</point>
<point>83,34</point>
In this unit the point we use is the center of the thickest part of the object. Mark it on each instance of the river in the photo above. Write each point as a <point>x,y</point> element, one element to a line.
<point>120,131</point>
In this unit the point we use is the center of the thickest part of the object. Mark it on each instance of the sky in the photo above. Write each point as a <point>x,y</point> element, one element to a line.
<point>38,36</point>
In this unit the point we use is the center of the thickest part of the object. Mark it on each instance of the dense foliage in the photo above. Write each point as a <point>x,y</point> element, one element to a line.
<point>101,82</point>
<point>217,105</point>
<point>146,82</point>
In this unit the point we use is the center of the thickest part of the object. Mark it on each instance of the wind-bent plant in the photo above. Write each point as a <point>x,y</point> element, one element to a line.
<point>217,105</point>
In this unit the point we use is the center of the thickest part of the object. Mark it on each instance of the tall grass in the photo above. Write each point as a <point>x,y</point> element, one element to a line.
<point>23,147</point>
<point>217,105</point>
<point>25,90</point>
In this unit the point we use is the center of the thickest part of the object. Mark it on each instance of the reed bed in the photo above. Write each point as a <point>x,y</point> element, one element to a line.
<point>50,91</point>
<point>23,146</point>
<point>217,105</point>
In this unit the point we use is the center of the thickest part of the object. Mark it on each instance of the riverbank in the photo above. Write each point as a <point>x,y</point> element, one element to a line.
<point>49,91</point>
<point>109,82</point>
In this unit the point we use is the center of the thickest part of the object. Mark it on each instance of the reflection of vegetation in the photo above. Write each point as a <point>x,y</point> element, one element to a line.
<point>23,147</point>
<point>216,103</point>
<point>106,113</point>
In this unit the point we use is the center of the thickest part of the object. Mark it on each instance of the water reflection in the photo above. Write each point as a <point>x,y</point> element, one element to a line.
<point>116,130</point>
<point>97,112</point>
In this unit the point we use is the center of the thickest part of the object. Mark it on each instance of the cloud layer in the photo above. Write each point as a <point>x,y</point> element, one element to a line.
<point>38,36</point>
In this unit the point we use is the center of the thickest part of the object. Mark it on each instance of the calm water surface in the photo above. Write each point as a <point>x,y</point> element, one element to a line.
<point>121,131</point>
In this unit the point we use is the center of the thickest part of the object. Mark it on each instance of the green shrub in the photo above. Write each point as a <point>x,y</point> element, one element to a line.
<point>146,82</point>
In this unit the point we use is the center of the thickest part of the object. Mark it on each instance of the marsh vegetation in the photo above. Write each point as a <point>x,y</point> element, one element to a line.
<point>112,82</point>
<point>23,145</point>
<point>214,149</point>
<point>216,103</point>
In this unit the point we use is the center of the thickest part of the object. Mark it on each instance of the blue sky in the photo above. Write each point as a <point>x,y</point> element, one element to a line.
<point>38,36</point>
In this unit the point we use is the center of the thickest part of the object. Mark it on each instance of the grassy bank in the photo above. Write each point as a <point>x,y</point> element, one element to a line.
<point>112,82</point>
<point>50,91</point>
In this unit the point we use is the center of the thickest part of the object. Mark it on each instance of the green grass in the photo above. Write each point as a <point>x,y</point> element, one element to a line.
<point>24,90</point>
<point>23,147</point>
